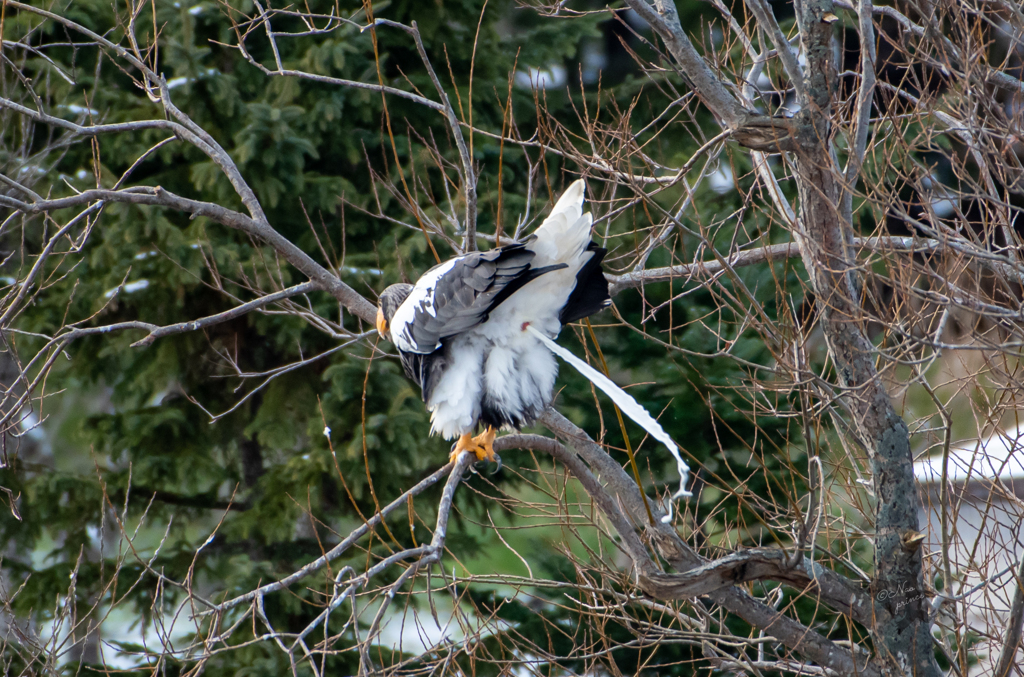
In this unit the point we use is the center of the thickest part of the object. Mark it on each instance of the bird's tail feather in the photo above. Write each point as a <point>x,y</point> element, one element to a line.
<point>566,230</point>
<point>569,207</point>
<point>625,402</point>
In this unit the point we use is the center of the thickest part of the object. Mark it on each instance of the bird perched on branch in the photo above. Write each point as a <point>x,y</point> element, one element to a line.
<point>477,332</point>
<point>462,331</point>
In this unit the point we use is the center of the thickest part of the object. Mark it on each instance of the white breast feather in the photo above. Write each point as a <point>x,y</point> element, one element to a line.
<point>520,374</point>
<point>454,405</point>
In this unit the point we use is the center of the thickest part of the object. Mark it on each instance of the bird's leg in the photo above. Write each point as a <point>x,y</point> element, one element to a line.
<point>485,444</point>
<point>465,443</point>
<point>482,445</point>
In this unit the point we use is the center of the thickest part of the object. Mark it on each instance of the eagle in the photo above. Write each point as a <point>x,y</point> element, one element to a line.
<point>475,332</point>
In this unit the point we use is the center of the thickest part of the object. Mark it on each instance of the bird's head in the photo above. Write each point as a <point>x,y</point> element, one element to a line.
<point>387,305</point>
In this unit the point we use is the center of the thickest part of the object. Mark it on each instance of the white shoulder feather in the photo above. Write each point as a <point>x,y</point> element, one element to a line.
<point>420,298</point>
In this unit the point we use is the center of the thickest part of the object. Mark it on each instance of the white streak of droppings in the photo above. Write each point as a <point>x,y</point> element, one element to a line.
<point>625,402</point>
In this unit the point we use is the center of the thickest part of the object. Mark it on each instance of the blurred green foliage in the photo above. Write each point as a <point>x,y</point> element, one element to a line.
<point>125,437</point>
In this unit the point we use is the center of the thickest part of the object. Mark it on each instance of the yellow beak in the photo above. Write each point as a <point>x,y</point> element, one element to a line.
<point>382,324</point>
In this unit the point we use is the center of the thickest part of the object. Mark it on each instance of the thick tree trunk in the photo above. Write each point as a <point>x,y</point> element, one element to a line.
<point>905,639</point>
<point>898,584</point>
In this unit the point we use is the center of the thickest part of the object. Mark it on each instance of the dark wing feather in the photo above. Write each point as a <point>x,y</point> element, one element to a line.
<point>464,296</point>
<point>591,292</point>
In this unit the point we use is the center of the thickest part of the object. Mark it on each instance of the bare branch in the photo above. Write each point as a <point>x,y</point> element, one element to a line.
<point>342,547</point>
<point>157,196</point>
<point>865,98</point>
<point>766,18</point>
<point>238,311</point>
<point>621,486</point>
<point>758,564</point>
<point>1008,657</point>
<point>664,19</point>
<point>91,130</point>
<point>468,174</point>
<point>950,49</point>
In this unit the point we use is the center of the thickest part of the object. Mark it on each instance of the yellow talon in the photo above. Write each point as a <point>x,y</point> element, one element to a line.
<point>485,445</point>
<point>482,445</point>
<point>465,443</point>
